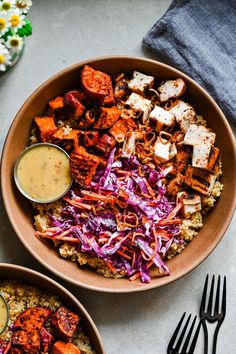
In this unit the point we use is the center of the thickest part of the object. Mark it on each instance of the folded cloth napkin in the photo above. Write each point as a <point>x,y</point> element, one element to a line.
<point>199,38</point>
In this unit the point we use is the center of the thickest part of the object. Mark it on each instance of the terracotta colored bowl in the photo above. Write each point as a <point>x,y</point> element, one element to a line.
<point>28,276</point>
<point>20,211</point>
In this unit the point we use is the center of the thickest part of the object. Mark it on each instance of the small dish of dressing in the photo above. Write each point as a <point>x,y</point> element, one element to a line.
<point>42,173</point>
<point>4,314</point>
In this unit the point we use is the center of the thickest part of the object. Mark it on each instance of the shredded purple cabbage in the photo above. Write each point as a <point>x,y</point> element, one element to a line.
<point>126,235</point>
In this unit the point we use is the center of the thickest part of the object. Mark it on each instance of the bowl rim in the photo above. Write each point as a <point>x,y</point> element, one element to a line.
<point>151,285</point>
<point>36,274</point>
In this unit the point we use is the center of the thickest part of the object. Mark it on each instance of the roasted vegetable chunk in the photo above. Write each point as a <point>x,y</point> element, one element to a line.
<point>91,138</point>
<point>79,95</point>
<point>105,144</point>
<point>28,341</point>
<point>97,85</point>
<point>65,322</point>
<point>83,165</point>
<point>107,118</point>
<point>64,134</point>
<point>46,340</point>
<point>46,126</point>
<point>55,104</point>
<point>121,128</point>
<point>4,346</point>
<point>121,87</point>
<point>74,104</point>
<point>32,319</point>
<point>64,348</point>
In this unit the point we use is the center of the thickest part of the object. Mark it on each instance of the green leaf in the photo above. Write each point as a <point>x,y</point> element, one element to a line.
<point>26,30</point>
<point>7,34</point>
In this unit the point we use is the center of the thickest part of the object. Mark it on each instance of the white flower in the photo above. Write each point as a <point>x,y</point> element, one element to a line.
<point>16,19</point>
<point>4,24</point>
<point>14,43</point>
<point>5,57</point>
<point>7,5</point>
<point>23,5</point>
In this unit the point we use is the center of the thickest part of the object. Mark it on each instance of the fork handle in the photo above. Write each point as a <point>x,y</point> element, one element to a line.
<point>205,336</point>
<point>215,337</point>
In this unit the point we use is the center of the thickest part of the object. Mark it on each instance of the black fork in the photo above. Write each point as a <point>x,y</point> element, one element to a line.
<point>175,348</point>
<point>213,312</point>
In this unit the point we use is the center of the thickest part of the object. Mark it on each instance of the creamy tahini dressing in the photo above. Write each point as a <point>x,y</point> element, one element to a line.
<point>3,314</point>
<point>44,173</point>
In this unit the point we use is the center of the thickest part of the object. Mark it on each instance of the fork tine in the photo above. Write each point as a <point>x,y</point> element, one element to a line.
<point>194,341</point>
<point>217,299</point>
<point>223,308</point>
<point>209,307</point>
<point>180,340</point>
<point>173,338</point>
<point>203,301</point>
<point>186,342</point>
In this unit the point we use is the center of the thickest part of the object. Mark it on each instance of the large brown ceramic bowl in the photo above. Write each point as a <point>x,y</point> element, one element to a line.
<point>20,211</point>
<point>30,277</point>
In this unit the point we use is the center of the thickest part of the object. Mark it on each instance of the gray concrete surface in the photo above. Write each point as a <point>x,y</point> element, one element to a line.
<point>65,32</point>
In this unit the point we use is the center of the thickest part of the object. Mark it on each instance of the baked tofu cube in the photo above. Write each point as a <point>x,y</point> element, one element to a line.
<point>184,114</point>
<point>161,119</point>
<point>191,203</point>
<point>199,135</point>
<point>164,150</point>
<point>205,156</point>
<point>200,180</point>
<point>139,103</point>
<point>171,89</point>
<point>140,82</point>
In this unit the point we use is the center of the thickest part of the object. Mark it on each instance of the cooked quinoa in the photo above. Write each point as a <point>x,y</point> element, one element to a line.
<point>21,296</point>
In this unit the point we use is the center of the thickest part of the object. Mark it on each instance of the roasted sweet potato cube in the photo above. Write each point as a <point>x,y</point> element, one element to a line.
<point>97,85</point>
<point>64,134</point>
<point>5,346</point>
<point>107,118</point>
<point>32,319</point>
<point>83,165</point>
<point>28,341</point>
<point>46,340</point>
<point>121,128</point>
<point>105,144</point>
<point>65,323</point>
<point>55,104</point>
<point>74,104</point>
<point>64,348</point>
<point>46,126</point>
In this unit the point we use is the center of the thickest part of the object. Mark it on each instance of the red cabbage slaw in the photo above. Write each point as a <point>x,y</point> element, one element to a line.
<point>122,217</point>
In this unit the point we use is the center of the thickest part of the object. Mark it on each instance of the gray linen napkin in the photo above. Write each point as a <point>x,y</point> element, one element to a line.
<point>199,38</point>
